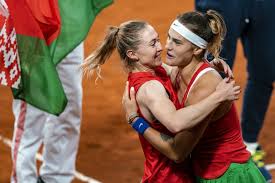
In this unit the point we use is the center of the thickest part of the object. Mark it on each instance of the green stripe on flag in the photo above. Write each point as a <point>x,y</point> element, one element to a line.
<point>40,85</point>
<point>76,20</point>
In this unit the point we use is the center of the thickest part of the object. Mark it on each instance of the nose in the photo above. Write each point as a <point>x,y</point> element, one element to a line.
<point>168,44</point>
<point>159,48</point>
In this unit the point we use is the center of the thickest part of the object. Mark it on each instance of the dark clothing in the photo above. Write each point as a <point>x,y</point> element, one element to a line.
<point>253,22</point>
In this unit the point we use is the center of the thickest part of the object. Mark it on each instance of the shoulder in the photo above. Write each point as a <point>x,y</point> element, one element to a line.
<point>205,85</point>
<point>150,90</point>
<point>208,80</point>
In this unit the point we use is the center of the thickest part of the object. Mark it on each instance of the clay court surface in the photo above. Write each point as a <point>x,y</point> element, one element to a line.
<point>109,150</point>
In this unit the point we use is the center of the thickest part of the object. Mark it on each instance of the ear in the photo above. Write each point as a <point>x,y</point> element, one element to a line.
<point>197,51</point>
<point>132,55</point>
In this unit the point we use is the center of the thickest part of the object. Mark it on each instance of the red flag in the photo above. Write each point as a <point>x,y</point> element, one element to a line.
<point>39,19</point>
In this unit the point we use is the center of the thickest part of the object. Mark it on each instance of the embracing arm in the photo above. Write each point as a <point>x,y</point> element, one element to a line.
<point>221,66</point>
<point>168,68</point>
<point>179,147</point>
<point>218,64</point>
<point>159,104</point>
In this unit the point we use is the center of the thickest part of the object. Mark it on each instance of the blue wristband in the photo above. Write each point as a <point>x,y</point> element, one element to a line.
<point>140,125</point>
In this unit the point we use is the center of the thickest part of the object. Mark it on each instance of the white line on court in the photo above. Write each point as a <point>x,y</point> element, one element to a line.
<point>270,166</point>
<point>85,178</point>
<point>39,157</point>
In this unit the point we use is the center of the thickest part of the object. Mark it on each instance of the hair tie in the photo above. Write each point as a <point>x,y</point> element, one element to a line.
<point>117,30</point>
<point>208,17</point>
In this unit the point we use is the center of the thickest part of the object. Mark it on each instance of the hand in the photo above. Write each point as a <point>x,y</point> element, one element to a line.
<point>221,66</point>
<point>227,90</point>
<point>129,104</point>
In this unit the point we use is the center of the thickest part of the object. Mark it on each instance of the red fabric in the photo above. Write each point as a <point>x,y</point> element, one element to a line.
<point>40,19</point>
<point>10,72</point>
<point>203,66</point>
<point>157,167</point>
<point>220,145</point>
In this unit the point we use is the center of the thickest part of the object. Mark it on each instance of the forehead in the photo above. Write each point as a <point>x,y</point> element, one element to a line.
<point>173,34</point>
<point>148,34</point>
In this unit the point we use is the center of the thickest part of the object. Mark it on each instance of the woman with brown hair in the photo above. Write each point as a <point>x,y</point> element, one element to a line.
<point>218,152</point>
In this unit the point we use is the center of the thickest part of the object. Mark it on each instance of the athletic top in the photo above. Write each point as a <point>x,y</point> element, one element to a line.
<point>157,167</point>
<point>221,143</point>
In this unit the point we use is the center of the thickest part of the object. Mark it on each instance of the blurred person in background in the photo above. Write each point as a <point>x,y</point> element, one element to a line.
<point>59,134</point>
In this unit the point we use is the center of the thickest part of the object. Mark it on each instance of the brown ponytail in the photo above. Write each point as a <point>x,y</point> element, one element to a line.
<point>102,53</point>
<point>218,28</point>
<point>209,26</point>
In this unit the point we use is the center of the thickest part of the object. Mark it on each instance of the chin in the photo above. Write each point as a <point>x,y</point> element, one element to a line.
<point>158,63</point>
<point>169,62</point>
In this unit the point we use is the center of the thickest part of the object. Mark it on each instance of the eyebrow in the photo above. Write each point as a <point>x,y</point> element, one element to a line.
<point>174,39</point>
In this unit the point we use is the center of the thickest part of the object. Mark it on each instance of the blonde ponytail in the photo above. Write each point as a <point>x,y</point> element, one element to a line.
<point>125,37</point>
<point>101,54</point>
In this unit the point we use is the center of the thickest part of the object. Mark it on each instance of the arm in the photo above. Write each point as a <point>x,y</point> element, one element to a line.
<point>222,110</point>
<point>178,147</point>
<point>172,119</point>
<point>167,68</point>
<point>171,71</point>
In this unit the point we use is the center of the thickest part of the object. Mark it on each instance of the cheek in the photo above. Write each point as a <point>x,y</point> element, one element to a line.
<point>151,54</point>
<point>185,52</point>
<point>181,54</point>
<point>183,57</point>
<point>148,57</point>
<point>188,55</point>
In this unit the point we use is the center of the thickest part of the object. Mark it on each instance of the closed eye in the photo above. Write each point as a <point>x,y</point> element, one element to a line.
<point>178,42</point>
<point>154,41</point>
